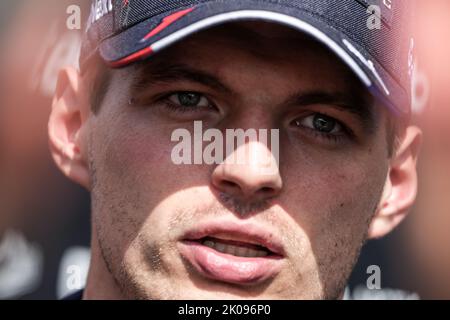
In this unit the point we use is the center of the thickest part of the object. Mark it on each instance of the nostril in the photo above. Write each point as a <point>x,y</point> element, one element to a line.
<point>229,187</point>
<point>229,184</point>
<point>266,190</point>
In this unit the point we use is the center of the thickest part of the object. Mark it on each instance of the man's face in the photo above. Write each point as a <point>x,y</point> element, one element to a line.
<point>152,217</point>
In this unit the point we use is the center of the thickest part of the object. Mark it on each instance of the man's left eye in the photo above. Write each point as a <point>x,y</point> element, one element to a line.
<point>321,123</point>
<point>189,99</point>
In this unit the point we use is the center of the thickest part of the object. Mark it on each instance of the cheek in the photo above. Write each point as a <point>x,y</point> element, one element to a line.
<point>334,185</point>
<point>135,168</point>
<point>330,201</point>
<point>332,198</point>
<point>138,155</point>
<point>130,165</point>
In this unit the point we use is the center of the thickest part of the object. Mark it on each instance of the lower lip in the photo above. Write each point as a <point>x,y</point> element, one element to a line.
<point>228,268</point>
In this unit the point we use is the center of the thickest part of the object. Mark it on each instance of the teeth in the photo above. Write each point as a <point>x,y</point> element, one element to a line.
<point>220,247</point>
<point>241,252</point>
<point>208,243</point>
<point>230,250</point>
<point>235,250</point>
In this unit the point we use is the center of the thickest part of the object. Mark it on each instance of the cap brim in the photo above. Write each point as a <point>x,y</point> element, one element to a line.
<point>157,33</point>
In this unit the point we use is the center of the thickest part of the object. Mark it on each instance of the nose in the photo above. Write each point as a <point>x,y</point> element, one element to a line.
<point>250,172</point>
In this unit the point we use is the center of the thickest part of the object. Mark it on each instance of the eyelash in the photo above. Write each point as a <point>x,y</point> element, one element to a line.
<point>347,133</point>
<point>173,107</point>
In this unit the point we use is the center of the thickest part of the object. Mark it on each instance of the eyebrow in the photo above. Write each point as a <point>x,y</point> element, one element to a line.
<point>167,73</point>
<point>358,102</point>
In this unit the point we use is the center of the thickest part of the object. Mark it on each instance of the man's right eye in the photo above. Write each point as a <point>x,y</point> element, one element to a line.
<point>189,100</point>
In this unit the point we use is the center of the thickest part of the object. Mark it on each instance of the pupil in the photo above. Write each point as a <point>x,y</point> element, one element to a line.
<point>324,124</point>
<point>189,99</point>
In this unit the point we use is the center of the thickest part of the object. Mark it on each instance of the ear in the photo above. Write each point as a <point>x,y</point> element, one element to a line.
<point>400,190</point>
<point>68,125</point>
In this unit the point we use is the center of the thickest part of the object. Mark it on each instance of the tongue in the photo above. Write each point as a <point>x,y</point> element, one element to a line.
<point>237,243</point>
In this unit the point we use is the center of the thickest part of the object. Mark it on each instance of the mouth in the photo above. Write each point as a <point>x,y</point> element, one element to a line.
<point>236,248</point>
<point>232,253</point>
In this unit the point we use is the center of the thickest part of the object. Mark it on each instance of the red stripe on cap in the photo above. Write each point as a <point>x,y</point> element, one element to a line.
<point>131,58</point>
<point>167,21</point>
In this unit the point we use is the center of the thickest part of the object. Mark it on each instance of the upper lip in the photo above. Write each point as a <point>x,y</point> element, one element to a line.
<point>243,232</point>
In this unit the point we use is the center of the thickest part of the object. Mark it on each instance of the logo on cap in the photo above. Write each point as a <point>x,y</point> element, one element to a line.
<point>99,9</point>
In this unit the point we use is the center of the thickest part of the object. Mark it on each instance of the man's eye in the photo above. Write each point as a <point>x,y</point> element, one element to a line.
<point>321,123</point>
<point>189,100</point>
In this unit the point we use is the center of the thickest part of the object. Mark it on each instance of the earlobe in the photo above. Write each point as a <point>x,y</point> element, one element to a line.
<point>400,190</point>
<point>67,126</point>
